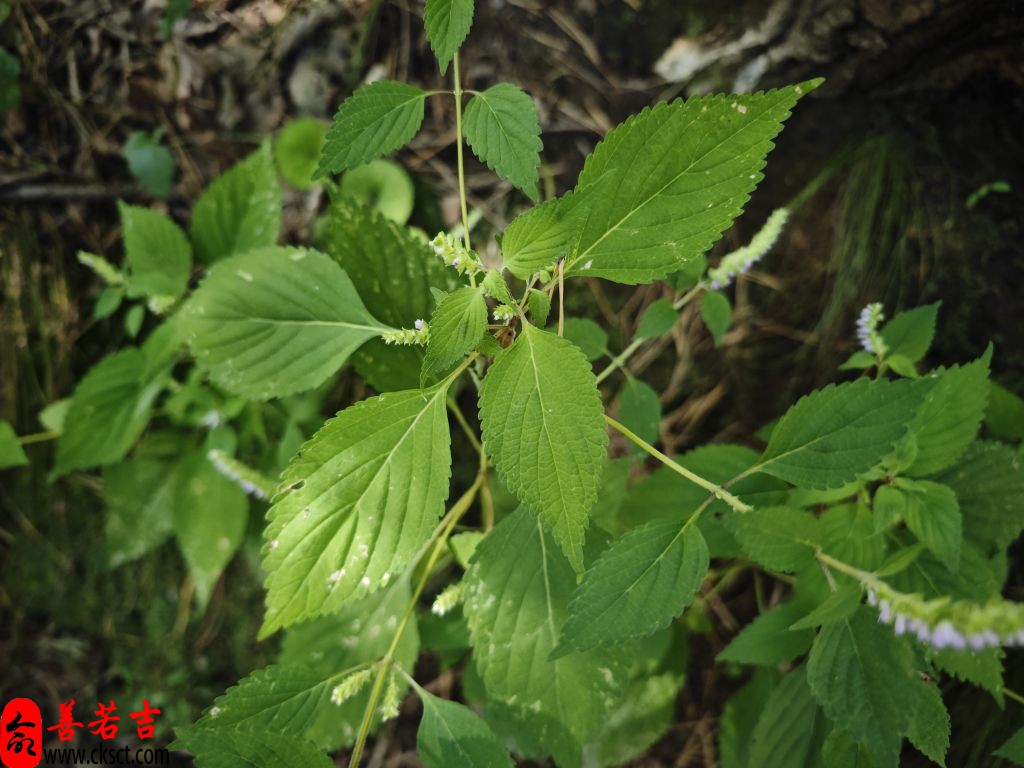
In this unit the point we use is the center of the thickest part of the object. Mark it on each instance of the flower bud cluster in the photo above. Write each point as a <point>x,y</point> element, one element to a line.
<point>943,623</point>
<point>418,334</point>
<point>450,597</point>
<point>453,253</point>
<point>742,259</point>
<point>868,335</point>
<point>350,686</point>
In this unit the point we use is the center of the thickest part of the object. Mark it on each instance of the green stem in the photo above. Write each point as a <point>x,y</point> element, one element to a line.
<point>623,357</point>
<point>1011,694</point>
<point>440,540</point>
<point>38,437</point>
<point>715,490</point>
<point>462,169</point>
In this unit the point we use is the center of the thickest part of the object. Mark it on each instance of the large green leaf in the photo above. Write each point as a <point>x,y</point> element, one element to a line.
<point>768,640</point>
<point>281,698</point>
<point>1013,748</point>
<point>537,239</point>
<point>394,272</point>
<point>517,597</point>
<point>447,23</point>
<point>109,409</point>
<point>502,127</point>
<point>210,515</point>
<point>239,211</point>
<point>637,586</point>
<point>861,675</point>
<point>672,179</point>
<point>779,538</point>
<point>140,506</point>
<point>792,727</point>
<point>238,747</point>
<point>831,436</point>
<point>932,512</point>
<point>929,726</point>
<point>544,427</point>
<point>455,329</point>
<point>276,321</point>
<point>157,253</point>
<point>451,735</point>
<point>357,502</point>
<point>988,481</point>
<point>951,415</point>
<point>373,121</point>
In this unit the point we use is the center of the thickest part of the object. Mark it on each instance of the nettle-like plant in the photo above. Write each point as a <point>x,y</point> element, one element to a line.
<point>873,505</point>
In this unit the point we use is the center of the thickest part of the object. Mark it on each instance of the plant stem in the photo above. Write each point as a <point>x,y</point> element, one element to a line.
<point>461,419</point>
<point>561,297</point>
<point>1011,694</point>
<point>38,437</point>
<point>447,526</point>
<point>462,169</point>
<point>623,357</point>
<point>715,490</point>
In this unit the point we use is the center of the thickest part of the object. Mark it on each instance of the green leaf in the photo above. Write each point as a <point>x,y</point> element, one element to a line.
<point>539,238</point>
<point>779,538</point>
<point>382,185</point>
<point>910,333</point>
<point>150,162</point>
<point>297,150</point>
<point>862,676</point>
<point>452,736</point>
<point>502,127</point>
<point>929,726</point>
<point>540,306</point>
<point>949,419</point>
<point>657,319</point>
<point>988,481</point>
<point>791,729</point>
<point>1013,748</point>
<point>210,515</point>
<point>716,312</point>
<point>768,640</point>
<point>157,253</point>
<point>455,329</point>
<point>672,180</point>
<point>840,751</point>
<point>239,211</point>
<point>11,452</point>
<point>109,410</point>
<point>640,410</point>
<point>981,668</point>
<point>740,716</point>
<point>357,502</point>
<point>1004,416</point>
<point>281,698</point>
<point>375,120</point>
<point>838,606</point>
<point>393,272</point>
<point>543,424</point>
<point>932,513</point>
<point>140,506</point>
<point>447,23</point>
<point>366,628</point>
<point>235,747</point>
<point>109,300</point>
<point>587,335</point>
<point>276,321</point>
<point>834,434</point>
<point>859,361</point>
<point>637,586</point>
<point>517,597</point>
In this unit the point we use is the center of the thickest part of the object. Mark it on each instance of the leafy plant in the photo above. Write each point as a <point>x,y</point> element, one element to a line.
<point>873,498</point>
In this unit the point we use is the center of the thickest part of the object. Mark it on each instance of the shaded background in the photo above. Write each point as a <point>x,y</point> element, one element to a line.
<point>923,104</point>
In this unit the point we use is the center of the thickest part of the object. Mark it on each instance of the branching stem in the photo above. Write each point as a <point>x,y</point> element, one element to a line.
<point>462,169</point>
<point>439,540</point>
<point>715,490</point>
